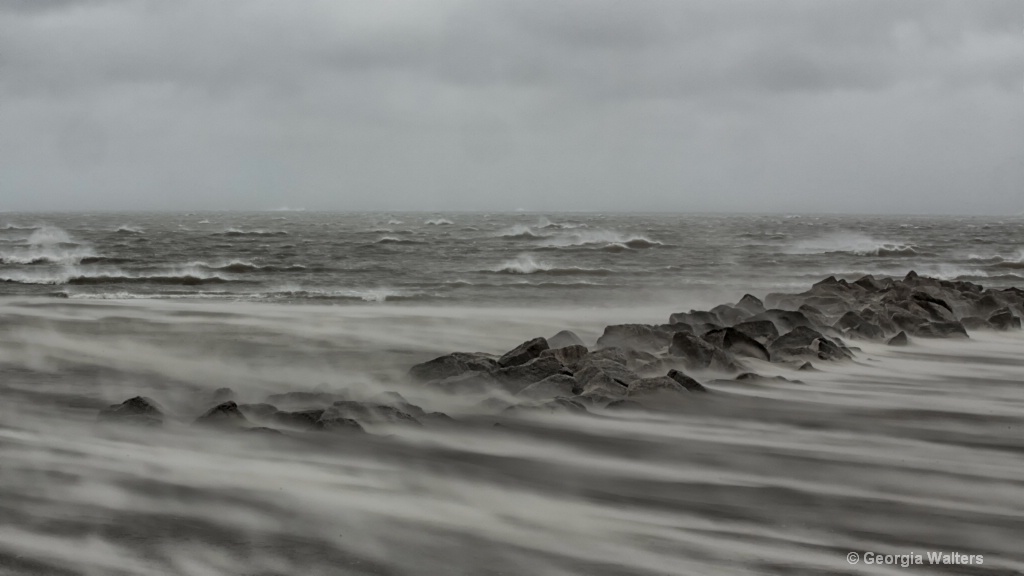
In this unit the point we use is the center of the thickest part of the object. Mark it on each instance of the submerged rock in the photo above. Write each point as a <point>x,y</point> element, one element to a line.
<point>686,382</point>
<point>900,339</point>
<point>138,410</point>
<point>225,414</point>
<point>559,385</point>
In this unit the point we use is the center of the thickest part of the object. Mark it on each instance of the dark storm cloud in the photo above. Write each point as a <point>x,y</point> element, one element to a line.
<point>655,105</point>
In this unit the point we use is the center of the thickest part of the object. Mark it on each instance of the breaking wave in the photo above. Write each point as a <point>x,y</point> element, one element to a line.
<point>602,240</point>
<point>399,241</point>
<point>234,232</point>
<point>853,243</point>
<point>519,231</point>
<point>242,267</point>
<point>126,229</point>
<point>439,222</point>
<point>526,264</point>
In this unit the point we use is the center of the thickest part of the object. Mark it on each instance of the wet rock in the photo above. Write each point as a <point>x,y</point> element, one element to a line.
<point>468,382</point>
<point>807,367</point>
<point>655,385</point>
<point>301,419</point>
<point>564,339</point>
<point>334,423</point>
<point>760,330</point>
<point>523,353</point>
<point>606,381</point>
<point>784,320</point>
<point>694,318</point>
<point>802,341</point>
<point>941,330</point>
<point>751,304</point>
<point>1004,320</point>
<point>729,315</point>
<point>900,339</point>
<point>225,414</point>
<point>304,400</point>
<point>367,413</point>
<point>737,343</point>
<point>138,410</point>
<point>257,411</point>
<point>515,378</point>
<point>451,365</point>
<point>853,325</point>
<point>263,430</point>
<point>686,382</point>
<point>635,337</point>
<point>569,356</point>
<point>559,385</point>
<point>558,405</point>
<point>697,353</point>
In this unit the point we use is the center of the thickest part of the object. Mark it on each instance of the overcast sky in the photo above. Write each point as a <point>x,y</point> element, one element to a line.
<point>814,106</point>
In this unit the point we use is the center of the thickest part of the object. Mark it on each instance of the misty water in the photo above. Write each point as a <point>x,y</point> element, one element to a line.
<point>901,450</point>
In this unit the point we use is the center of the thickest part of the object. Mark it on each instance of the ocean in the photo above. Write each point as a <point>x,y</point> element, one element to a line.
<point>899,451</point>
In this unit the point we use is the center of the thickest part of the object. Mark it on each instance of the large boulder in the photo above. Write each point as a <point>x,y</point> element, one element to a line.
<point>699,354</point>
<point>519,376</point>
<point>365,413</point>
<point>784,320</point>
<point>223,415</point>
<point>751,304</point>
<point>655,385</point>
<point>300,419</point>
<point>737,343</point>
<point>760,330</point>
<point>451,365</point>
<point>900,339</point>
<point>559,385</point>
<point>941,330</point>
<point>686,382</point>
<point>853,325</point>
<point>1003,319</point>
<point>523,353</point>
<point>610,380</point>
<point>635,337</point>
<point>569,356</point>
<point>138,410</point>
<point>802,342</point>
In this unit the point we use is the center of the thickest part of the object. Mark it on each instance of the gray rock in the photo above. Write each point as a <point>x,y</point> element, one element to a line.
<point>941,330</point>
<point>559,385</point>
<point>737,343</point>
<point>635,337</point>
<point>225,414</point>
<point>700,354</point>
<point>523,353</point>
<point>301,419</point>
<point>367,413</point>
<point>138,410</point>
<point>569,356</point>
<point>515,378</point>
<point>1003,319</point>
<point>657,385</point>
<point>760,330</point>
<point>751,304</point>
<point>686,382</point>
<point>900,339</point>
<point>564,339</point>
<point>451,365</point>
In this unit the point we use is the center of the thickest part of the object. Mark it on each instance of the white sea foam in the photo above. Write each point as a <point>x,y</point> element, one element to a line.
<point>852,243</point>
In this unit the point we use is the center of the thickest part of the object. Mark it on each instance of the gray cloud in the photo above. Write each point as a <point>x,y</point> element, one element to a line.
<point>843,106</point>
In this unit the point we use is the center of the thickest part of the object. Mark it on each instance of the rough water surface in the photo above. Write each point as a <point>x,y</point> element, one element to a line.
<point>901,450</point>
